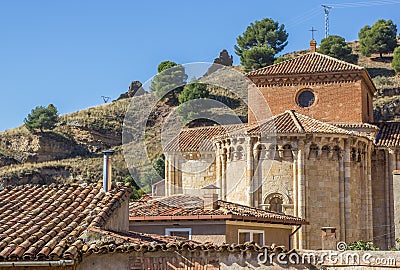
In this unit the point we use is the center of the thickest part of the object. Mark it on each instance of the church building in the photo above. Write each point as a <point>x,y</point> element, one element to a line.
<point>320,156</point>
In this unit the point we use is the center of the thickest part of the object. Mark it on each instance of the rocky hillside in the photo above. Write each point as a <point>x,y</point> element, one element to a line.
<point>73,151</point>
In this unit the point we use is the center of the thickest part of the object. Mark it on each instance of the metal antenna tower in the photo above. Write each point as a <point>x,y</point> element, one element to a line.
<point>326,10</point>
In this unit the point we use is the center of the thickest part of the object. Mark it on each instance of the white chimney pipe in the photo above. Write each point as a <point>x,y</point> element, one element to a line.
<point>107,170</point>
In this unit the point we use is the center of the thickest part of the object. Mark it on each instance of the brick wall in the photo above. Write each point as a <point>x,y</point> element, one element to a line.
<point>334,102</point>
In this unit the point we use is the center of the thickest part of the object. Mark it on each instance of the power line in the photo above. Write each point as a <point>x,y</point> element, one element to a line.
<point>365,4</point>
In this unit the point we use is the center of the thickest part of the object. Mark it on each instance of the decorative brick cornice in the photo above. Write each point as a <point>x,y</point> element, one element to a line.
<point>306,79</point>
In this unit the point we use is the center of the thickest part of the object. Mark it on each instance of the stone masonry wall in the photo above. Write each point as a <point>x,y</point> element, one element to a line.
<point>323,210</point>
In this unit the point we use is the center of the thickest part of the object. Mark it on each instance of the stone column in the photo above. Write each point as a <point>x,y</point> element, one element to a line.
<point>347,196</point>
<point>301,212</point>
<point>167,178</point>
<point>396,199</point>
<point>256,178</point>
<point>295,182</point>
<point>364,193</point>
<point>249,171</point>
<point>392,165</point>
<point>171,175</point>
<point>342,230</point>
<point>295,193</point>
<point>370,210</point>
<point>218,170</point>
<point>223,174</point>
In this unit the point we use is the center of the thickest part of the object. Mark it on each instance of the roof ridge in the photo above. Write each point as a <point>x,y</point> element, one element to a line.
<point>214,126</point>
<point>300,58</point>
<point>338,60</point>
<point>296,121</point>
<point>322,122</point>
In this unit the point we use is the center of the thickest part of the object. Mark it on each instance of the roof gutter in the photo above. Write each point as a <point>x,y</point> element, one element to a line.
<point>38,263</point>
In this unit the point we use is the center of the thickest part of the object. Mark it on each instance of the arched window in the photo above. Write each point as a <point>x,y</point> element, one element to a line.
<point>273,149</point>
<point>314,151</point>
<point>353,154</point>
<point>287,151</point>
<point>239,153</point>
<point>325,151</point>
<point>262,152</point>
<point>336,151</point>
<point>275,204</point>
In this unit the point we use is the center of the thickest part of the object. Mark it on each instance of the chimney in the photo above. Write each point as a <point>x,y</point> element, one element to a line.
<point>107,170</point>
<point>328,238</point>
<point>313,46</point>
<point>210,197</point>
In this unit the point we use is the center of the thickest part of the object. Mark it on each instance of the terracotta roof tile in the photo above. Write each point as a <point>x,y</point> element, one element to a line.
<point>306,64</point>
<point>45,222</point>
<point>185,205</point>
<point>293,122</point>
<point>140,242</point>
<point>196,139</point>
<point>388,135</point>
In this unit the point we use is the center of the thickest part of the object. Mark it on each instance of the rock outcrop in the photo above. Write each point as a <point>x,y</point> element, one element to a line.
<point>39,147</point>
<point>135,89</point>
<point>224,58</point>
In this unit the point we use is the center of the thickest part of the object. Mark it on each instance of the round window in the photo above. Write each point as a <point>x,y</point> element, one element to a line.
<point>306,98</point>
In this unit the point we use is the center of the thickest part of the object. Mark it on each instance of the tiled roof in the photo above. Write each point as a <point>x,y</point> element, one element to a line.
<point>45,222</point>
<point>388,135</point>
<point>140,242</point>
<point>196,139</point>
<point>309,63</point>
<point>356,125</point>
<point>191,207</point>
<point>293,122</point>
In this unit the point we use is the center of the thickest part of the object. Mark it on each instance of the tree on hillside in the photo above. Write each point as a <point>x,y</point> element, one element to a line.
<point>380,38</point>
<point>42,118</point>
<point>169,81</point>
<point>193,91</point>
<point>282,58</point>
<point>337,47</point>
<point>159,166</point>
<point>259,44</point>
<point>396,60</point>
<point>188,110</point>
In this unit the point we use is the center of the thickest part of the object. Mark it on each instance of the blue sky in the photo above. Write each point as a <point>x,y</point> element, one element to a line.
<point>70,53</point>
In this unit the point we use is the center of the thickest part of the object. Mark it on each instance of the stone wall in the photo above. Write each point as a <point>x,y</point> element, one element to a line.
<point>379,197</point>
<point>396,198</point>
<point>322,206</point>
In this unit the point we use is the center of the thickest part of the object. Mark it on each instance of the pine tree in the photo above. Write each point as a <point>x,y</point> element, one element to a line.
<point>337,47</point>
<point>380,38</point>
<point>259,44</point>
<point>169,81</point>
<point>42,118</point>
<point>396,60</point>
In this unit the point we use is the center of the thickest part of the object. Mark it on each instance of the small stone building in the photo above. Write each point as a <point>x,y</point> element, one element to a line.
<point>320,156</point>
